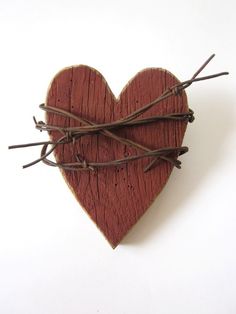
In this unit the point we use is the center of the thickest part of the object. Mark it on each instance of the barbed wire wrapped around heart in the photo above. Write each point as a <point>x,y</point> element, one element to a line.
<point>72,134</point>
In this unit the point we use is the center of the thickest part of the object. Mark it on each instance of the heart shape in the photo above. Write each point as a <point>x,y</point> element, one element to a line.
<point>115,197</point>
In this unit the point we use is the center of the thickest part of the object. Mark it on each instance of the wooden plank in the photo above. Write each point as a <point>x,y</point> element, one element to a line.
<point>115,197</point>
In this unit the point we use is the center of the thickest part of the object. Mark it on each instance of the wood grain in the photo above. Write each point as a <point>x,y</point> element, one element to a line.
<point>115,197</point>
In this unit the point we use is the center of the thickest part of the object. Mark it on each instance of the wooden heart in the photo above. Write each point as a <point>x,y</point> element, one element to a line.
<point>115,197</point>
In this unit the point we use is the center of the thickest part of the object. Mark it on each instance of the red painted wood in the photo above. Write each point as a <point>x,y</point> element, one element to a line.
<point>116,197</point>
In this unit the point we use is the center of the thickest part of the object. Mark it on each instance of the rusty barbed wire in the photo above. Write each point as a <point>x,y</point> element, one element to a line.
<point>72,134</point>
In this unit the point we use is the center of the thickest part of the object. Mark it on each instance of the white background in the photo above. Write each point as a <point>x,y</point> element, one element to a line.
<point>180,258</point>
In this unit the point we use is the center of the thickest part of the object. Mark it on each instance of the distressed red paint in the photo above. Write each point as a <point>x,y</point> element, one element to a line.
<point>116,197</point>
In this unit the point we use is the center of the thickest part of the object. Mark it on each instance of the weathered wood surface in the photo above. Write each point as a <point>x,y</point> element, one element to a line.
<point>115,197</point>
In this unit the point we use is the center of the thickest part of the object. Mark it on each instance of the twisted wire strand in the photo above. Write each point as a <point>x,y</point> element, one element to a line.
<point>71,134</point>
